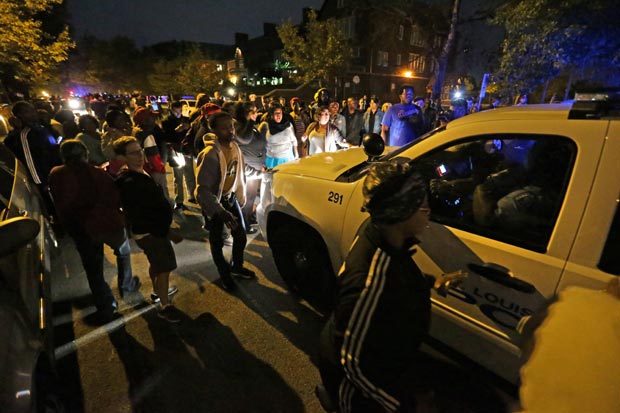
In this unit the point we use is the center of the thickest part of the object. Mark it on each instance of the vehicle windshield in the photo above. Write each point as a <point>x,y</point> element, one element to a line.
<point>396,152</point>
<point>358,171</point>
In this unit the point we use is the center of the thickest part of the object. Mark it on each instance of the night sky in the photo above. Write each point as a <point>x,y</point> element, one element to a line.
<point>153,21</point>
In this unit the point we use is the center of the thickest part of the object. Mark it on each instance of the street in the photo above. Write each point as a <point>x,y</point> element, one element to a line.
<point>250,351</point>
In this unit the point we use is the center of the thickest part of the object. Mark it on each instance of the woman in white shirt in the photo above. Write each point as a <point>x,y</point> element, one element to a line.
<point>280,135</point>
<point>324,136</point>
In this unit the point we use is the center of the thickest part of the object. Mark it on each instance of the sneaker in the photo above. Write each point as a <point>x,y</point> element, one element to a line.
<point>227,239</point>
<point>169,313</point>
<point>251,230</point>
<point>181,207</point>
<point>228,283</point>
<point>243,273</point>
<point>171,291</point>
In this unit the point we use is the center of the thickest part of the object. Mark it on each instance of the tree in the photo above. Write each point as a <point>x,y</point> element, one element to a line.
<point>190,72</point>
<point>108,65</point>
<point>442,61</point>
<point>28,53</point>
<point>320,53</point>
<point>546,38</point>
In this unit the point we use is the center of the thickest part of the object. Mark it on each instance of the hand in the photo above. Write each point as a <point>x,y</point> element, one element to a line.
<point>450,280</point>
<point>229,219</point>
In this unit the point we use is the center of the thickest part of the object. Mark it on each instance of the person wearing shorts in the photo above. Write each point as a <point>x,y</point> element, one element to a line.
<point>149,215</point>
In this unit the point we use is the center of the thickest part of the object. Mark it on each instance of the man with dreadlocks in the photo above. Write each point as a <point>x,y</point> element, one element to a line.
<point>369,344</point>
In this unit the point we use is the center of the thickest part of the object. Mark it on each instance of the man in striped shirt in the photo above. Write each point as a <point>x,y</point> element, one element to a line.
<point>34,146</point>
<point>369,344</point>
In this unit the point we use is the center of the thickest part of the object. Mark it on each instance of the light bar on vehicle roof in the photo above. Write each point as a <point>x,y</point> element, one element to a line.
<point>596,105</point>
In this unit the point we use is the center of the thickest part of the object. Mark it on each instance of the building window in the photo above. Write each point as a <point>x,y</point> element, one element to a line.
<point>417,63</point>
<point>398,60</point>
<point>416,37</point>
<point>347,25</point>
<point>382,58</point>
<point>401,32</point>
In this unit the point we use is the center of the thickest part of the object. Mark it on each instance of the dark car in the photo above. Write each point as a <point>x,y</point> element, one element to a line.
<point>26,342</point>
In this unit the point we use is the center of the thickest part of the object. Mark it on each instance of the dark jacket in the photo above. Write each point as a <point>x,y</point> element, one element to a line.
<point>146,209</point>
<point>171,135</point>
<point>37,149</point>
<point>253,146</point>
<point>354,125</point>
<point>384,307</point>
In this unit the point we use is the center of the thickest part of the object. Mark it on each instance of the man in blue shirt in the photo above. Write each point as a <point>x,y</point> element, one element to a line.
<point>401,120</point>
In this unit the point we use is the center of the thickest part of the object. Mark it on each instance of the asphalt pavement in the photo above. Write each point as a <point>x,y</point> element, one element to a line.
<point>250,351</point>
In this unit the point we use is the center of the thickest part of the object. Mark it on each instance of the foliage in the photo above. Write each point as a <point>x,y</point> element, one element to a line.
<point>321,52</point>
<point>190,72</point>
<point>545,38</point>
<point>111,65</point>
<point>29,54</point>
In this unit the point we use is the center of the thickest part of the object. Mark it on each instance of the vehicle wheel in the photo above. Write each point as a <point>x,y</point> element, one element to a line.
<point>303,262</point>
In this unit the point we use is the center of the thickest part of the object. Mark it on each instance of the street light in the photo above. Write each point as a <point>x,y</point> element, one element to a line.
<point>408,73</point>
<point>231,91</point>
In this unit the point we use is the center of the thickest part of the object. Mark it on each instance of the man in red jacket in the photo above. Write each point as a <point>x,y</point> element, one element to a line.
<point>89,208</point>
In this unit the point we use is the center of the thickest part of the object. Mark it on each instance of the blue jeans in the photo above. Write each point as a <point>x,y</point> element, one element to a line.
<point>123,265</point>
<point>119,242</point>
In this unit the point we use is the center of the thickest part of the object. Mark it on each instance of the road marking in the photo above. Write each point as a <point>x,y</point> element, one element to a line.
<point>74,345</point>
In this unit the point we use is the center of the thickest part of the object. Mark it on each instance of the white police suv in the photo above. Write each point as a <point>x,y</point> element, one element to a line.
<point>525,199</point>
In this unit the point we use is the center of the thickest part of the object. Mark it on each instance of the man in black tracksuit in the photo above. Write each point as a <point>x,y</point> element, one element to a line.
<point>369,344</point>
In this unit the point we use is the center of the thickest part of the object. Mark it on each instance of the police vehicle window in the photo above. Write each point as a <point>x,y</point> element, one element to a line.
<point>359,171</point>
<point>610,259</point>
<point>505,187</point>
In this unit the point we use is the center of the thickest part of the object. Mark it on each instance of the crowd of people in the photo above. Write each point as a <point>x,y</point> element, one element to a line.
<point>89,170</point>
<point>103,177</point>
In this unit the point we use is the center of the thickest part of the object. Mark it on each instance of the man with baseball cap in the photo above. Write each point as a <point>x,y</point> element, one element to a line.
<point>152,139</point>
<point>369,345</point>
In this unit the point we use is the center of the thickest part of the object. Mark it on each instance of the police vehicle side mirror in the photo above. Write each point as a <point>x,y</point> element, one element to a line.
<point>373,146</point>
<point>15,233</point>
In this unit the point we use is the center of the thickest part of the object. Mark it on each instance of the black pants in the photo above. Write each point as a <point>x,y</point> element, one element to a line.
<point>215,225</point>
<point>91,254</point>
